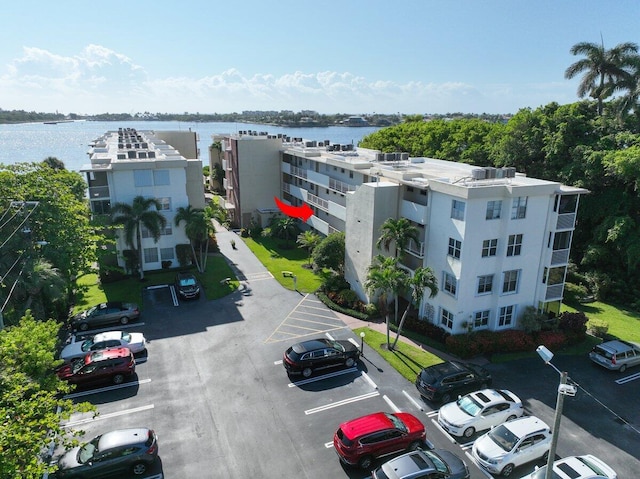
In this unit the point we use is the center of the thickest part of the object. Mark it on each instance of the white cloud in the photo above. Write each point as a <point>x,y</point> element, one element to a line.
<point>99,80</point>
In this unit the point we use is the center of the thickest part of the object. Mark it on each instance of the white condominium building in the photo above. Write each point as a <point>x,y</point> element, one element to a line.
<point>154,164</point>
<point>497,241</point>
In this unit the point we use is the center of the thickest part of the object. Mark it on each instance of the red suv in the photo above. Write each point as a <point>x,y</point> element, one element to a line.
<point>360,441</point>
<point>109,365</point>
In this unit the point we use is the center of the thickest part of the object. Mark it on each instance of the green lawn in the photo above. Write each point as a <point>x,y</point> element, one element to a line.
<point>130,289</point>
<point>293,259</point>
<point>623,323</point>
<point>406,359</point>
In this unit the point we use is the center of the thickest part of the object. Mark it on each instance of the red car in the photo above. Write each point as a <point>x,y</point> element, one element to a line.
<point>109,365</point>
<point>360,441</point>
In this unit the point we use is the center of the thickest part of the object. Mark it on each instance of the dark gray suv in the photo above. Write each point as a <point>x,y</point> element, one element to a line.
<point>112,453</point>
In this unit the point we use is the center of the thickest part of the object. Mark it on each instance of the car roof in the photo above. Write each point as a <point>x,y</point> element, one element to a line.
<point>617,346</point>
<point>310,345</point>
<point>410,463</point>
<point>107,335</point>
<point>582,465</point>
<point>110,353</point>
<point>525,425</point>
<point>491,396</point>
<point>448,367</point>
<point>366,424</point>
<point>123,437</point>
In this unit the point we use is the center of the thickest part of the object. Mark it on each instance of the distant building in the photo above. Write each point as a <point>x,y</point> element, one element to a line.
<point>355,121</point>
<point>155,164</point>
<point>496,240</point>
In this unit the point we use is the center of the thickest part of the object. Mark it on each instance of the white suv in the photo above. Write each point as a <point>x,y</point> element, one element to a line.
<point>512,444</point>
<point>576,467</point>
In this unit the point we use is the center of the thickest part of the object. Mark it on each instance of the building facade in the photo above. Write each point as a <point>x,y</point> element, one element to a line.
<point>497,241</point>
<point>164,165</point>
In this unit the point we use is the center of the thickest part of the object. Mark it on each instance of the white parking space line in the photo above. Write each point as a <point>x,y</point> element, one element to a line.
<point>174,296</point>
<point>354,342</point>
<point>108,416</point>
<point>479,466</point>
<point>328,445</point>
<point>432,413</point>
<point>108,388</point>
<point>342,403</point>
<point>369,380</point>
<point>324,376</point>
<point>278,362</point>
<point>391,404</point>
<point>329,336</point>
<point>628,379</point>
<point>446,434</point>
<point>410,398</point>
<point>467,445</point>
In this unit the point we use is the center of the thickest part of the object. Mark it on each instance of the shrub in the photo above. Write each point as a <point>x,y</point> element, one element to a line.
<point>553,340</point>
<point>426,328</point>
<point>574,326</point>
<point>574,293</point>
<point>531,320</point>
<point>183,252</point>
<point>348,298</point>
<point>335,283</point>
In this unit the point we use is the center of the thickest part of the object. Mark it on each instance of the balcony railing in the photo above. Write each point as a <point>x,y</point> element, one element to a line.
<point>560,256</point>
<point>416,249</point>
<point>333,230</point>
<point>554,291</point>
<point>317,201</point>
<point>98,192</point>
<point>299,172</point>
<point>340,186</point>
<point>566,221</point>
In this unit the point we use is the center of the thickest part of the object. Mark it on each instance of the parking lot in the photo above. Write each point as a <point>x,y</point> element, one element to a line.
<point>213,388</point>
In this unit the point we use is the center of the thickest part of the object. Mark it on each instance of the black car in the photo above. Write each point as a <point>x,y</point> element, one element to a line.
<point>308,356</point>
<point>105,313</point>
<point>187,286</point>
<point>445,381</point>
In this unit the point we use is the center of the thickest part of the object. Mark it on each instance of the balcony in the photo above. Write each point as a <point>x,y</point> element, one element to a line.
<point>226,184</point>
<point>554,292</point>
<point>416,249</point>
<point>96,192</point>
<point>560,256</point>
<point>299,172</point>
<point>340,186</point>
<point>318,202</point>
<point>566,221</point>
<point>414,212</point>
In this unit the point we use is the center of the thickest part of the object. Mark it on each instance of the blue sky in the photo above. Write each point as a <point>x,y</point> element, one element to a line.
<point>348,56</point>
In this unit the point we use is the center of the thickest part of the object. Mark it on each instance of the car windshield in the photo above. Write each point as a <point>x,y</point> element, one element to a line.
<point>337,346</point>
<point>503,437</point>
<point>92,310</point>
<point>87,451</point>
<point>397,423</point>
<point>86,345</point>
<point>125,337</point>
<point>469,405</point>
<point>187,281</point>
<point>438,463</point>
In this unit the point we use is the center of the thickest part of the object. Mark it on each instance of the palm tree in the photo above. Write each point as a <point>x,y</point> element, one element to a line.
<point>604,70</point>
<point>198,228</point>
<point>385,279</point>
<point>398,231</point>
<point>285,228</point>
<point>43,285</point>
<point>423,278</point>
<point>308,240</point>
<point>142,212</point>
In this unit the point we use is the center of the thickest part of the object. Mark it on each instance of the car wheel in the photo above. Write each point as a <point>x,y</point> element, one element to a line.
<point>507,470</point>
<point>545,457</point>
<point>124,320</point>
<point>118,379</point>
<point>83,326</point>
<point>365,462</point>
<point>306,372</point>
<point>446,397</point>
<point>349,362</point>
<point>139,468</point>
<point>623,368</point>
<point>511,418</point>
<point>415,445</point>
<point>468,432</point>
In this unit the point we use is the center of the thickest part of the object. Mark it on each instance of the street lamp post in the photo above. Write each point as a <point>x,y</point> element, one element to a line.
<point>362,343</point>
<point>564,389</point>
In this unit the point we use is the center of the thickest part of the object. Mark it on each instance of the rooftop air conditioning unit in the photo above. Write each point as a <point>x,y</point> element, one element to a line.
<point>379,156</point>
<point>389,157</point>
<point>404,156</point>
<point>490,172</point>
<point>509,172</point>
<point>478,174</point>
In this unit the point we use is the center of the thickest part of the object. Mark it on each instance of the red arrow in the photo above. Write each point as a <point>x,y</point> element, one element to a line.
<point>303,212</point>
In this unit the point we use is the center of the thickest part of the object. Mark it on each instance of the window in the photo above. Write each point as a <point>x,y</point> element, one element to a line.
<point>519,208</point>
<point>489,247</point>
<point>485,284</point>
<point>561,240</point>
<point>510,283</point>
<point>457,210</point>
<point>142,178</point>
<point>151,255</point>
<point>481,319</point>
<point>514,245</point>
<point>450,284</point>
<point>454,248</point>
<point>506,316</point>
<point>493,209</point>
<point>567,204</point>
<point>446,318</point>
<point>167,231</point>
<point>165,204</point>
<point>166,254</point>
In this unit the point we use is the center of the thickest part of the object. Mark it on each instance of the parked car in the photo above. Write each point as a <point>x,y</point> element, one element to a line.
<point>478,411</point>
<point>112,453</point>
<point>187,285</point>
<point>617,355</point>
<point>109,365</point>
<point>105,313</point>
<point>512,444</point>
<point>309,356</point>
<point>445,381</point>
<point>360,441</point>
<point>576,467</point>
<point>77,347</point>
<point>437,463</point>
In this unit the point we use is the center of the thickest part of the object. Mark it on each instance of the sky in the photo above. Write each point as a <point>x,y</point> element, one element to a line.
<point>330,56</point>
